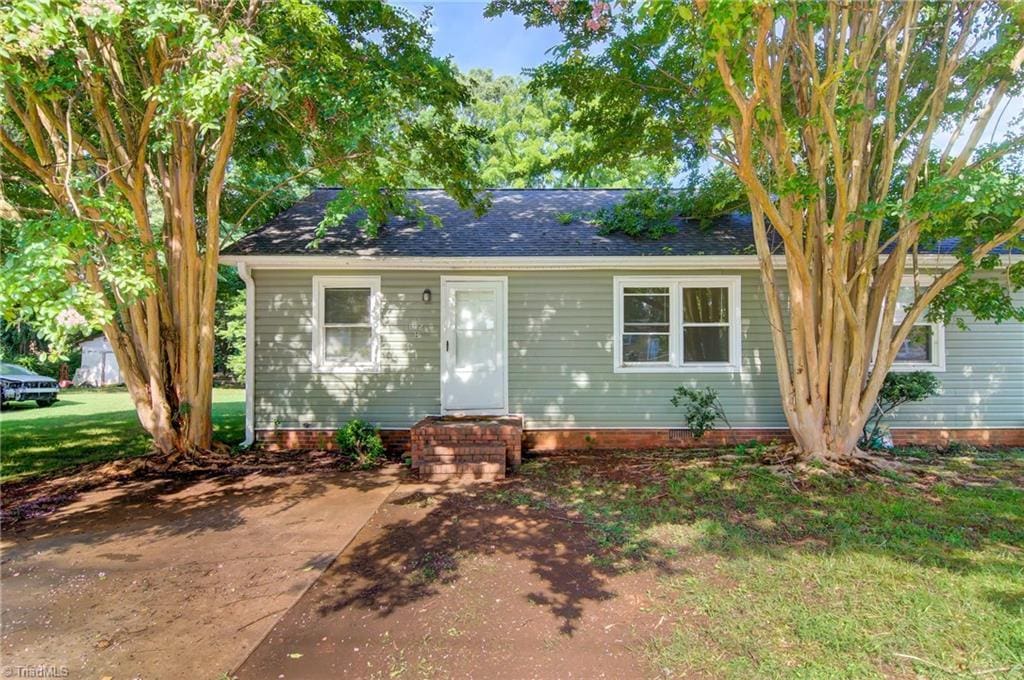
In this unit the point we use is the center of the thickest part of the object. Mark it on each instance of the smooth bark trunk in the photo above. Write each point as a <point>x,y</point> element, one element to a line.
<point>834,330</point>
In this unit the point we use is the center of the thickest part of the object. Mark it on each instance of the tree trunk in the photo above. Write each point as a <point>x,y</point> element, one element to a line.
<point>834,330</point>
<point>162,335</point>
<point>177,418</point>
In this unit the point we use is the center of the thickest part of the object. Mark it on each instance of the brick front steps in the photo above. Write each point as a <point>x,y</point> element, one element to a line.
<point>466,449</point>
<point>464,463</point>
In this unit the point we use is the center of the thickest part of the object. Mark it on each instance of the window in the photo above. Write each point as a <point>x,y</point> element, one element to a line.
<point>646,331</point>
<point>346,328</point>
<point>705,325</point>
<point>924,347</point>
<point>677,324</point>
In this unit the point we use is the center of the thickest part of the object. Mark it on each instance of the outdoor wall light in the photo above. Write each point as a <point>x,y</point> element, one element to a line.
<point>426,295</point>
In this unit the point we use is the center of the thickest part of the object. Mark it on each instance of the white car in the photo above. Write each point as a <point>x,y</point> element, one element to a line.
<point>21,384</point>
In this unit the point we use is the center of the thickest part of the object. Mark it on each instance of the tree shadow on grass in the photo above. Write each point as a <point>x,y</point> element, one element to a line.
<point>736,507</point>
<point>45,444</point>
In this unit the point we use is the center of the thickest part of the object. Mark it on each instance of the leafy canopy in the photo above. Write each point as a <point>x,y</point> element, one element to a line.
<point>329,92</point>
<point>533,140</point>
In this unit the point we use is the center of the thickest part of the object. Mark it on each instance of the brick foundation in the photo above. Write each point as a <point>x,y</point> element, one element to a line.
<point>395,441</point>
<point>400,441</point>
<point>607,439</point>
<point>922,437</point>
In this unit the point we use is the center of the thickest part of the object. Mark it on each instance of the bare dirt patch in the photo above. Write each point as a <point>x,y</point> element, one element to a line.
<point>172,577</point>
<point>452,584</point>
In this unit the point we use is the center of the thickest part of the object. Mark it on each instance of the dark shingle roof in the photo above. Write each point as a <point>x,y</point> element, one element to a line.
<point>520,223</point>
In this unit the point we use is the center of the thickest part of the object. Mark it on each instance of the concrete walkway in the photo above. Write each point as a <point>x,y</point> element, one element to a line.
<point>173,579</point>
<point>448,582</point>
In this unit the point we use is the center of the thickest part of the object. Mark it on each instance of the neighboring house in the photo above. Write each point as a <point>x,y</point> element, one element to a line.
<point>99,364</point>
<point>585,336</point>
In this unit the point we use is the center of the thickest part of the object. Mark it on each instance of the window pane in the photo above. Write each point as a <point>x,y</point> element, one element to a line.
<point>476,309</point>
<point>351,345</point>
<point>347,305</point>
<point>706,343</point>
<point>647,308</point>
<point>905,299</point>
<point>917,348</point>
<point>705,305</point>
<point>906,294</point>
<point>638,349</point>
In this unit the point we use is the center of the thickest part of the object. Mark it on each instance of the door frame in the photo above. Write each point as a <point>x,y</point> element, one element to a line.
<point>447,282</point>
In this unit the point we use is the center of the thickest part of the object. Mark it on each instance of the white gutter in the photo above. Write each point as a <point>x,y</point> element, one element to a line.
<point>645,262</point>
<point>314,261</point>
<point>250,353</point>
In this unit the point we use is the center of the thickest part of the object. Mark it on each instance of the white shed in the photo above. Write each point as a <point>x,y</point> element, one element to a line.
<point>99,365</point>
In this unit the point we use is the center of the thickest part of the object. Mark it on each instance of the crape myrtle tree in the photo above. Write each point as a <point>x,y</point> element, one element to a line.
<point>137,135</point>
<point>862,134</point>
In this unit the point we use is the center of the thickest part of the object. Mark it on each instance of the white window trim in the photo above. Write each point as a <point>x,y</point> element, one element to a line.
<point>675,285</point>
<point>938,362</point>
<point>317,359</point>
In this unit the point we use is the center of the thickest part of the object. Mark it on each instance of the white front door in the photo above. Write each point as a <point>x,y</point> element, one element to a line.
<point>473,345</point>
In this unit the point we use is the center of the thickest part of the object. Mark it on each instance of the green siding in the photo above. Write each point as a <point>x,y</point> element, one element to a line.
<point>560,360</point>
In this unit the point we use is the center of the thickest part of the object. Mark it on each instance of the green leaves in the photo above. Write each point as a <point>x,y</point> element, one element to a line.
<point>649,214</point>
<point>533,140</point>
<point>329,91</point>
<point>974,206</point>
<point>897,389</point>
<point>33,283</point>
<point>654,213</point>
<point>702,408</point>
<point>985,297</point>
<point>359,443</point>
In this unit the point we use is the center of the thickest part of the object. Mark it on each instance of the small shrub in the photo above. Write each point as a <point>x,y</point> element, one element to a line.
<point>359,442</point>
<point>703,408</point>
<point>566,218</point>
<point>897,389</point>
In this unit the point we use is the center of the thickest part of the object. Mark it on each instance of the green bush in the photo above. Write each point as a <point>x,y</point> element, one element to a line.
<point>703,408</point>
<point>359,442</point>
<point>645,214</point>
<point>897,389</point>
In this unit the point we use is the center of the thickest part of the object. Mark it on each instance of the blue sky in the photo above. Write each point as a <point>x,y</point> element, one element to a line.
<point>501,44</point>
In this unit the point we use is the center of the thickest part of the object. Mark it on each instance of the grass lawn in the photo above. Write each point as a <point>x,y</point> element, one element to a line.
<point>916,574</point>
<point>87,426</point>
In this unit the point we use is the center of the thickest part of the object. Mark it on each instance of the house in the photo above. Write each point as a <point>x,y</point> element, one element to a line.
<point>527,312</point>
